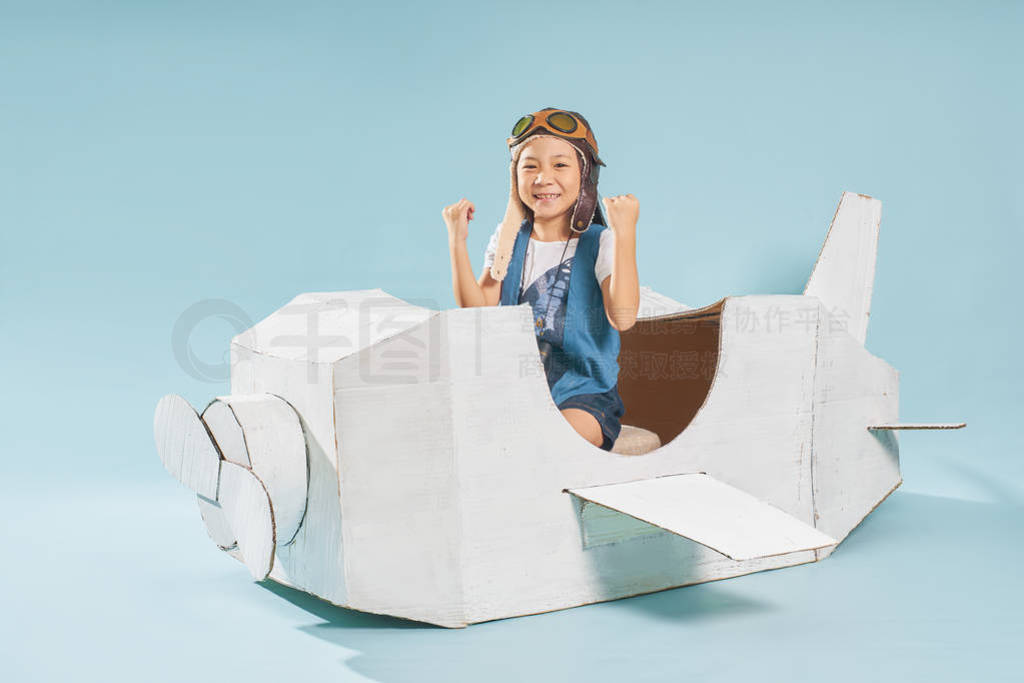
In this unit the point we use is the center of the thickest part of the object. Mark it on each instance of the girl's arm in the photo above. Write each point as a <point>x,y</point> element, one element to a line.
<point>622,289</point>
<point>468,291</point>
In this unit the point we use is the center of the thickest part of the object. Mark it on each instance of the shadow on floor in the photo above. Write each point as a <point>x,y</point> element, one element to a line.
<point>881,583</point>
<point>339,617</point>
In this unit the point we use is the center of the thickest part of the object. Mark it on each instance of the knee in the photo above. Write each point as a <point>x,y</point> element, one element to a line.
<point>585,424</point>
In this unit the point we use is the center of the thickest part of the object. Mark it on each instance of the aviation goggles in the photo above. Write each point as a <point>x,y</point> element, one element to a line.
<point>557,121</point>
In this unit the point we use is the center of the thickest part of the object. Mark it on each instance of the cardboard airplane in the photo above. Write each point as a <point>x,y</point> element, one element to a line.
<point>395,459</point>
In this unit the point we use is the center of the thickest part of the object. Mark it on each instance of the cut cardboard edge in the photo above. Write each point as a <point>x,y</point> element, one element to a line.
<point>919,425</point>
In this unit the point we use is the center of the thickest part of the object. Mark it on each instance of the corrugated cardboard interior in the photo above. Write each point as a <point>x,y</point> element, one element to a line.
<point>666,367</point>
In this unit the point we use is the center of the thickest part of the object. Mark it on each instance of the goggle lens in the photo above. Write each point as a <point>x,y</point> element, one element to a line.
<point>521,125</point>
<point>562,122</point>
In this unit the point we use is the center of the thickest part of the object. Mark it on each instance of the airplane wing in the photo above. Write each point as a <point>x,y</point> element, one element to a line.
<point>700,508</point>
<point>919,425</point>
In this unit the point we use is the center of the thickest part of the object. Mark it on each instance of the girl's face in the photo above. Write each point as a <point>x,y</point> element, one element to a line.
<point>548,176</point>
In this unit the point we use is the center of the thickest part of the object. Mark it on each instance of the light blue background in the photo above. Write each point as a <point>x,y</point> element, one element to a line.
<point>155,156</point>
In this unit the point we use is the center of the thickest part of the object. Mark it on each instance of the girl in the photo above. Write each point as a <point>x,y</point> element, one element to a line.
<point>555,250</point>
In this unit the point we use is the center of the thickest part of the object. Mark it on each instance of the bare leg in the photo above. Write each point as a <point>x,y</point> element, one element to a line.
<point>586,424</point>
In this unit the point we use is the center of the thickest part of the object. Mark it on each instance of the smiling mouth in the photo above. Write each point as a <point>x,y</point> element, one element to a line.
<point>546,197</point>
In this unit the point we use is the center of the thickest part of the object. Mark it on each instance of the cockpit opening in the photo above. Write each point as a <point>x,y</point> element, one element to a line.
<point>666,368</point>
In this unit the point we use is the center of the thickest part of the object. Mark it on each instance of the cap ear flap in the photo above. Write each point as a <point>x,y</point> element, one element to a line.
<point>510,224</point>
<point>583,212</point>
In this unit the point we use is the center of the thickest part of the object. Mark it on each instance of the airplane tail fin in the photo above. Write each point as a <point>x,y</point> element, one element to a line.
<point>844,275</point>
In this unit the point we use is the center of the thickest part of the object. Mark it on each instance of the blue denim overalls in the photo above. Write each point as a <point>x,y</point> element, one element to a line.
<point>579,347</point>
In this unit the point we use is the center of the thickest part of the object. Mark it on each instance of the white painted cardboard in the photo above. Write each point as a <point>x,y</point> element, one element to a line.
<point>438,463</point>
<point>185,448</point>
<point>249,513</point>
<point>217,524</point>
<point>714,514</point>
<point>844,275</point>
<point>263,434</point>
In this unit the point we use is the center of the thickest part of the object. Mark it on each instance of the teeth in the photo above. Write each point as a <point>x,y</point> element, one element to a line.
<point>545,196</point>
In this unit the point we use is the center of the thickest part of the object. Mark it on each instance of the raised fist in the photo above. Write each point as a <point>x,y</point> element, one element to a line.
<point>622,211</point>
<point>457,217</point>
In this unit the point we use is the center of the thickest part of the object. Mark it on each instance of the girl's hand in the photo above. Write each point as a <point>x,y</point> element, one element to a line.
<point>622,211</point>
<point>457,217</point>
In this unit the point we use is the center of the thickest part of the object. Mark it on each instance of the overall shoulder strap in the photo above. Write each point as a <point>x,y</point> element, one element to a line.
<point>514,274</point>
<point>590,243</point>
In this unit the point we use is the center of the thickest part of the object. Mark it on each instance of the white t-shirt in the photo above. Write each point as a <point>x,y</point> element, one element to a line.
<point>543,256</point>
